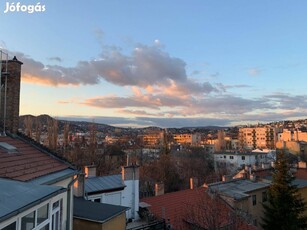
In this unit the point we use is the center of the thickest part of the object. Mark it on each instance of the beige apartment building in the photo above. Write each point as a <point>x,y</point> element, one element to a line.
<point>153,138</point>
<point>257,137</point>
<point>187,138</point>
<point>292,135</point>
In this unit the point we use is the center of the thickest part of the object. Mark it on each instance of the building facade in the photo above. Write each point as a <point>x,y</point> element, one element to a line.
<point>257,137</point>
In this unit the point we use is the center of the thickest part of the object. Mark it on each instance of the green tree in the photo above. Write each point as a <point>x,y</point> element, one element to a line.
<point>285,209</point>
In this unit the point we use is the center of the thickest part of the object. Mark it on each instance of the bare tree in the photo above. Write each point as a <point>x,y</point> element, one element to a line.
<point>38,130</point>
<point>209,211</point>
<point>28,124</point>
<point>52,133</point>
<point>66,134</point>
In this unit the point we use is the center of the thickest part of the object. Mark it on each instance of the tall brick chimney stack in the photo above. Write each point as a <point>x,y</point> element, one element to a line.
<point>9,110</point>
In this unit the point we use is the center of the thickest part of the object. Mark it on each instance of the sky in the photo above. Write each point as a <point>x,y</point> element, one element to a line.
<point>137,63</point>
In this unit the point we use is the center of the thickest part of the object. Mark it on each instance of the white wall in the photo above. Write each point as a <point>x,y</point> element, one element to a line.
<point>130,198</point>
<point>237,161</point>
<point>64,184</point>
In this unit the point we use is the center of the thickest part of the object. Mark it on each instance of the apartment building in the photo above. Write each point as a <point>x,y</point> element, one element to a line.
<point>232,160</point>
<point>257,137</point>
<point>192,139</point>
<point>292,135</point>
<point>153,138</point>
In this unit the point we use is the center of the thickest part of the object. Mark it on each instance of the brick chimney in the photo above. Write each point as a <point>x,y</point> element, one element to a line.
<point>193,183</point>
<point>79,186</point>
<point>159,189</point>
<point>130,172</point>
<point>90,171</point>
<point>10,95</point>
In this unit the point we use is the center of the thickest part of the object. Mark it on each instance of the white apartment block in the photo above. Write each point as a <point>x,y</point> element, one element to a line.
<point>234,160</point>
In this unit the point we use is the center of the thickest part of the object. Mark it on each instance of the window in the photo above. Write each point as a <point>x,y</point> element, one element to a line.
<point>224,157</point>
<point>264,196</point>
<point>12,226</point>
<point>42,214</point>
<point>97,200</point>
<point>38,219</point>
<point>46,227</point>
<point>254,198</point>
<point>231,157</point>
<point>56,215</point>
<point>243,158</point>
<point>42,218</point>
<point>28,221</point>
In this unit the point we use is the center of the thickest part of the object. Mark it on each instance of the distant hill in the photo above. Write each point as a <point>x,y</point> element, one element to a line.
<point>76,126</point>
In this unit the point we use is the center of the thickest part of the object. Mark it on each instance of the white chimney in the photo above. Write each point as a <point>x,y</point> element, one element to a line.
<point>130,195</point>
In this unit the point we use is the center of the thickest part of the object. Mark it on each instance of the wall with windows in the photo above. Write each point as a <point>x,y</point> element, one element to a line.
<point>235,160</point>
<point>47,215</point>
<point>252,207</point>
<point>64,184</point>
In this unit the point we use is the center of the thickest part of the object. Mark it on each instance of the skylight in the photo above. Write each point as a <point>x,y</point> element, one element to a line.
<point>8,147</point>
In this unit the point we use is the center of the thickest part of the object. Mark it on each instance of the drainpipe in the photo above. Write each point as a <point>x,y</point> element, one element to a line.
<point>133,192</point>
<point>69,219</point>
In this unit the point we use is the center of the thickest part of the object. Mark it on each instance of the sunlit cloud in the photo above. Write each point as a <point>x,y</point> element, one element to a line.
<point>136,112</point>
<point>148,67</point>
<point>158,87</point>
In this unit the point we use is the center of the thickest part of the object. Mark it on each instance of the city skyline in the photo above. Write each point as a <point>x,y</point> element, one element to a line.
<point>166,64</point>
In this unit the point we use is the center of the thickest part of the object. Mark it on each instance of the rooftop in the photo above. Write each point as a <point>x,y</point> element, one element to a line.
<point>13,203</point>
<point>104,183</point>
<point>191,207</point>
<point>239,153</point>
<point>96,212</point>
<point>22,161</point>
<point>239,188</point>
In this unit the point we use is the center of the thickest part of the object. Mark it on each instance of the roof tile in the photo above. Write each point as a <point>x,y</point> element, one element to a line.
<point>195,206</point>
<point>28,162</point>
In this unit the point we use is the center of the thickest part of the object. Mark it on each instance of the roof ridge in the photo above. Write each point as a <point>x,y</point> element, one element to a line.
<point>41,148</point>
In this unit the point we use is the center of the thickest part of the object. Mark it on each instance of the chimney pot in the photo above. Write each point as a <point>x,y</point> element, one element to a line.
<point>193,182</point>
<point>159,189</point>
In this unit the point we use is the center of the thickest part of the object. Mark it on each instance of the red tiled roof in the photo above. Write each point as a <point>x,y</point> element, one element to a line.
<point>27,162</point>
<point>193,206</point>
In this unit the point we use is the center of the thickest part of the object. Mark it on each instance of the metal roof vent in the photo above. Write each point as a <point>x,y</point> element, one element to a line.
<point>8,147</point>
